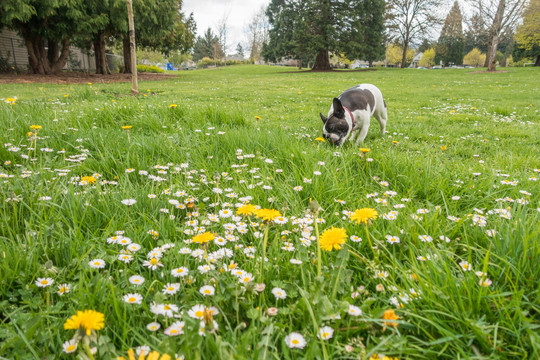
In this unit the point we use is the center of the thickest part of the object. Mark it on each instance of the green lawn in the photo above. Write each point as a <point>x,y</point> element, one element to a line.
<point>454,250</point>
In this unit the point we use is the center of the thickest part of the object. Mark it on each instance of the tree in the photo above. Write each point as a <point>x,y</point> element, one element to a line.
<point>40,22</point>
<point>426,44</point>
<point>307,29</point>
<point>223,31</point>
<point>476,35</point>
<point>411,19</point>
<point>394,55</point>
<point>257,34</point>
<point>501,15</point>
<point>528,34</point>
<point>474,58</point>
<point>450,44</point>
<point>428,58</point>
<point>207,46</point>
<point>240,50</point>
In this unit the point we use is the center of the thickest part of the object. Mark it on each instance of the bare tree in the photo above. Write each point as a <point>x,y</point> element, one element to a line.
<point>411,19</point>
<point>223,31</point>
<point>502,16</point>
<point>257,34</point>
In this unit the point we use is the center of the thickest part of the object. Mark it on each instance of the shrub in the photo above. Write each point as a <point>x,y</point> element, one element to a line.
<point>474,58</point>
<point>149,68</point>
<point>428,58</point>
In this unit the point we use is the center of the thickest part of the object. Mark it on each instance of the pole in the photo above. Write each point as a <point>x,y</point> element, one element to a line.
<point>134,84</point>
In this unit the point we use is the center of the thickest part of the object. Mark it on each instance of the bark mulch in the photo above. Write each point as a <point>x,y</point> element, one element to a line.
<point>79,78</point>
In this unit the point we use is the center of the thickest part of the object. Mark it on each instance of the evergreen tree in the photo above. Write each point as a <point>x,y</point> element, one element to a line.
<point>476,35</point>
<point>311,29</point>
<point>240,50</point>
<point>451,42</point>
<point>207,46</point>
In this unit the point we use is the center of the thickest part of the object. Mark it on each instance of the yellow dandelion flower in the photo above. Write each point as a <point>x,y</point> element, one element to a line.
<point>247,210</point>
<point>444,147</point>
<point>203,238</point>
<point>127,127</point>
<point>88,179</point>
<point>36,127</point>
<point>173,106</point>
<point>365,150</point>
<point>320,139</point>
<point>362,216</point>
<point>154,355</point>
<point>257,118</point>
<point>11,101</point>
<point>267,214</point>
<point>390,316</point>
<point>86,320</point>
<point>333,238</point>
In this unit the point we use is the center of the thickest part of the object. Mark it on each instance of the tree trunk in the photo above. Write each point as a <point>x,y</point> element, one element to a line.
<point>99,51</point>
<point>127,54</point>
<point>404,56</point>
<point>370,63</point>
<point>537,63</point>
<point>488,52</point>
<point>495,31</point>
<point>41,61</point>
<point>299,63</point>
<point>322,62</point>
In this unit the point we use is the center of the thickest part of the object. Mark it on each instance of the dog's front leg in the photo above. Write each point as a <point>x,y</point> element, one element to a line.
<point>353,134</point>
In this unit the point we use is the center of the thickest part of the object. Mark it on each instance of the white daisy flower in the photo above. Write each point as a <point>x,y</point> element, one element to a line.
<point>279,293</point>
<point>97,263</point>
<point>44,282</point>
<point>134,298</point>
<point>295,340</point>
<point>325,333</point>
<point>136,280</point>
<point>207,290</point>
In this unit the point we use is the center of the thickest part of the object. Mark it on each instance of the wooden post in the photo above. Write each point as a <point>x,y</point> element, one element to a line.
<point>134,84</point>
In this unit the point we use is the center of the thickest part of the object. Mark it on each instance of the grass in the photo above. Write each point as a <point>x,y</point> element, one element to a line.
<point>452,134</point>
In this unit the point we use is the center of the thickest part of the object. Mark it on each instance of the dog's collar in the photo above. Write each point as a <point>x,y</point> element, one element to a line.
<point>352,117</point>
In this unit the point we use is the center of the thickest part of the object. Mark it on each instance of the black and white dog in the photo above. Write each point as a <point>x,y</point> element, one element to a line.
<point>350,113</point>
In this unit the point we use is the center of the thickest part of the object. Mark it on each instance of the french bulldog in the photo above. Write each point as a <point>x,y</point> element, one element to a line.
<point>350,113</point>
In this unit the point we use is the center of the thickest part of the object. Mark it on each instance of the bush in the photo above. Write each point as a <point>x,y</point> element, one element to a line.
<point>474,58</point>
<point>428,58</point>
<point>149,68</point>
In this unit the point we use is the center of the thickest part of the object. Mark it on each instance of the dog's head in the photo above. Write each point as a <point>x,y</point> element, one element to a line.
<point>338,126</point>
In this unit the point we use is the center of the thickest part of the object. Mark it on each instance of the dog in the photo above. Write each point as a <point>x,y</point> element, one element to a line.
<point>350,113</point>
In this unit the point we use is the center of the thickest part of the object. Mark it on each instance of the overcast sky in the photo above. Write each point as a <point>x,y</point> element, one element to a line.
<point>209,13</point>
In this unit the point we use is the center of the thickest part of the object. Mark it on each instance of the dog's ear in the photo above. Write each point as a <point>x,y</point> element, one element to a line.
<point>323,118</point>
<point>339,111</point>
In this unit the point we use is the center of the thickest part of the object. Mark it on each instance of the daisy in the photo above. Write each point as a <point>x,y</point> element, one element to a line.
<point>125,258</point>
<point>176,328</point>
<point>298,188</point>
<point>272,311</point>
<point>136,280</point>
<point>245,278</point>
<point>225,213</point>
<point>485,282</point>
<point>279,293</point>
<point>295,261</point>
<point>180,272</point>
<point>153,264</point>
<point>171,288</point>
<point>153,326</point>
<point>354,310</point>
<point>44,282</point>
<point>281,220</point>
<point>63,289</point>
<point>392,239</point>
<point>465,265</point>
<point>167,310</point>
<point>133,298</point>
<point>355,238</point>
<point>70,346</point>
<point>425,238</point>
<point>197,311</point>
<point>97,263</point>
<point>325,333</point>
<point>295,340</point>
<point>207,290</point>
<point>260,287</point>
<point>129,202</point>
<point>133,247</point>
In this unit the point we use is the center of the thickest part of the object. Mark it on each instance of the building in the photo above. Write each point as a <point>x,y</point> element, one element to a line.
<point>13,50</point>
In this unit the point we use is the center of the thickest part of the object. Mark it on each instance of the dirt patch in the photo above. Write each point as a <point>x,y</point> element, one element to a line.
<point>79,78</point>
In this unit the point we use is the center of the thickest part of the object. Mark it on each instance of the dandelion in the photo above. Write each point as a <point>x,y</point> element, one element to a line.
<point>133,298</point>
<point>333,238</point>
<point>127,127</point>
<point>257,118</point>
<point>267,214</point>
<point>203,238</point>
<point>364,150</point>
<point>173,106</point>
<point>246,209</point>
<point>86,320</point>
<point>325,333</point>
<point>44,282</point>
<point>70,346</point>
<point>88,180</point>
<point>389,315</point>
<point>154,355</point>
<point>320,139</point>
<point>11,101</point>
<point>36,127</point>
<point>295,340</point>
<point>279,293</point>
<point>362,216</point>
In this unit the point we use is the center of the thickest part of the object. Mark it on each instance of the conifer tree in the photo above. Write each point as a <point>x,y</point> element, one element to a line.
<point>449,48</point>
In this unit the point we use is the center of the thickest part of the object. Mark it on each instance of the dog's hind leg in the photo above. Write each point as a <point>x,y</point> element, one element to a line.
<point>382,118</point>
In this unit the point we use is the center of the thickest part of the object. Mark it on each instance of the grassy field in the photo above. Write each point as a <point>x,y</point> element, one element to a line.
<point>100,217</point>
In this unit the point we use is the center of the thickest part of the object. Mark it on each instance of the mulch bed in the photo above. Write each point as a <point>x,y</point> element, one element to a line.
<point>326,71</point>
<point>79,78</point>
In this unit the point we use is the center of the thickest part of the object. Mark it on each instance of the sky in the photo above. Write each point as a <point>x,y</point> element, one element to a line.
<point>209,13</point>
